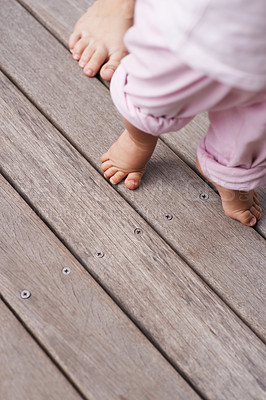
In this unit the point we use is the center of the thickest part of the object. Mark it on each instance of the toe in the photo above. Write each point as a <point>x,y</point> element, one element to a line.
<point>73,39</point>
<point>104,157</point>
<point>252,222</point>
<point>86,56</point>
<point>246,217</point>
<point>110,172</point>
<point>107,164</point>
<point>107,72</point>
<point>109,68</point>
<point>255,199</point>
<point>133,180</point>
<point>79,47</point>
<point>118,177</point>
<point>96,61</point>
<point>256,211</point>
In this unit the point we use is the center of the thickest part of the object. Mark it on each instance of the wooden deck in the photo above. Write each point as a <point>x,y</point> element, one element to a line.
<point>147,294</point>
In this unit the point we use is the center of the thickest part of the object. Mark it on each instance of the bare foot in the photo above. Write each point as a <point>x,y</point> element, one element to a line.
<point>128,157</point>
<point>240,205</point>
<point>98,36</point>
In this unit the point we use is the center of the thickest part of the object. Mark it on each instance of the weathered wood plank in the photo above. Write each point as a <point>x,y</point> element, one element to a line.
<point>229,256</point>
<point>160,292</point>
<point>75,320</point>
<point>26,371</point>
<point>60,16</point>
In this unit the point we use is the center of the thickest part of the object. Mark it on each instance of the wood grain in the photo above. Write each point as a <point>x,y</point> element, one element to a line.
<point>229,256</point>
<point>164,297</point>
<point>60,17</point>
<point>75,320</point>
<point>26,371</point>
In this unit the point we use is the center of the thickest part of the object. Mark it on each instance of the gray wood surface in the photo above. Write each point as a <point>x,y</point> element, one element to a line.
<point>165,298</point>
<point>60,17</point>
<point>227,255</point>
<point>26,372</point>
<point>75,320</point>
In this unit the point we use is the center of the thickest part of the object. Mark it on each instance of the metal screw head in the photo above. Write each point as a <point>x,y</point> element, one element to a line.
<point>204,196</point>
<point>66,270</point>
<point>25,294</point>
<point>168,216</point>
<point>99,254</point>
<point>138,231</point>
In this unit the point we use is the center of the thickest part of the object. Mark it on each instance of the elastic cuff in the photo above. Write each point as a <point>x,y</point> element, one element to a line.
<point>145,122</point>
<point>234,178</point>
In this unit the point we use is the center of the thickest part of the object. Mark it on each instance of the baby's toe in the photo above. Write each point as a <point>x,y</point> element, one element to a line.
<point>79,47</point>
<point>73,39</point>
<point>110,172</point>
<point>96,61</point>
<point>256,211</point>
<point>118,177</point>
<point>247,218</point>
<point>86,56</point>
<point>107,164</point>
<point>105,157</point>
<point>255,199</point>
<point>109,68</point>
<point>133,180</point>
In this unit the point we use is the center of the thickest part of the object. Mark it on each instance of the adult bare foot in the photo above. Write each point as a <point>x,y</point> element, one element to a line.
<point>240,205</point>
<point>98,36</point>
<point>128,158</point>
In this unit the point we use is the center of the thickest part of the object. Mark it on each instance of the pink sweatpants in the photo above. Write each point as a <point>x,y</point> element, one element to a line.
<point>155,91</point>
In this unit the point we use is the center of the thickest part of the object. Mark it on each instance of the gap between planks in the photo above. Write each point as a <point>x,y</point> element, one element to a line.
<point>49,141</point>
<point>72,317</point>
<point>42,13</point>
<point>33,371</point>
<point>198,232</point>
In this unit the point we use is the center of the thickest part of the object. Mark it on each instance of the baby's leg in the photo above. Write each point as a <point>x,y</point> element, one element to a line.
<point>158,93</point>
<point>98,36</point>
<point>128,156</point>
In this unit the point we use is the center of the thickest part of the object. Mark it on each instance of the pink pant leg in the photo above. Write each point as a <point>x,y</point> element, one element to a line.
<point>157,93</point>
<point>233,152</point>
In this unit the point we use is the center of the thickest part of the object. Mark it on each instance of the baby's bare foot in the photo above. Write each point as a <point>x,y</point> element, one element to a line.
<point>98,36</point>
<point>127,158</point>
<point>240,205</point>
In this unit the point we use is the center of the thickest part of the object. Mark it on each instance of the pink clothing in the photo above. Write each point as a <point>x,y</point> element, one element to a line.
<point>157,92</point>
<point>224,39</point>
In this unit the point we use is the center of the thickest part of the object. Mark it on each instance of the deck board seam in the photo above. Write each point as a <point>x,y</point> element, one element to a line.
<point>68,247</point>
<point>28,201</point>
<point>42,347</point>
<point>143,330</point>
<point>41,21</point>
<point>38,18</point>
